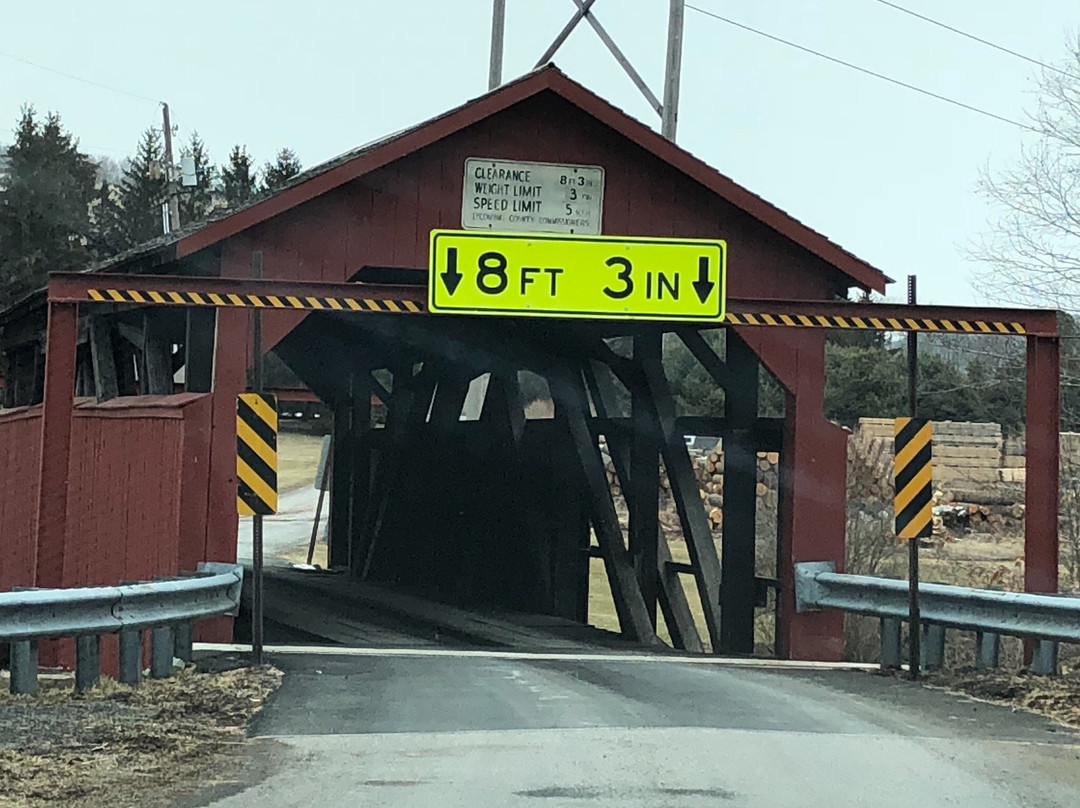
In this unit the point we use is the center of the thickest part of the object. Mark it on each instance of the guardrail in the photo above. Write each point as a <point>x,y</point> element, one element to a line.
<point>168,607</point>
<point>1050,619</point>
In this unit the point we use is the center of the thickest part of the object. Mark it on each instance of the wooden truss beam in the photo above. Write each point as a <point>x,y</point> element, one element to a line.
<point>684,489</point>
<point>569,396</point>
<point>672,597</point>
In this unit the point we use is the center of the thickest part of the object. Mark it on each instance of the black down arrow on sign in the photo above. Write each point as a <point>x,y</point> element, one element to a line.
<point>451,277</point>
<point>703,286</point>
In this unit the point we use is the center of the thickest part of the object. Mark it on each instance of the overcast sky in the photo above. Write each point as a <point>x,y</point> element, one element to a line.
<point>887,173</point>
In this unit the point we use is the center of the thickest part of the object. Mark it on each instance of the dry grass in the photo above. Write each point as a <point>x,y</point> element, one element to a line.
<point>119,746</point>
<point>602,612</point>
<point>298,459</point>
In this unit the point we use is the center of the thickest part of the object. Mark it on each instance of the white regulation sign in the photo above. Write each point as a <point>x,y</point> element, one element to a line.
<point>509,195</point>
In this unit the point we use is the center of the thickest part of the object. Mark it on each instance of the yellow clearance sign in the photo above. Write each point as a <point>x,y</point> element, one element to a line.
<point>592,277</point>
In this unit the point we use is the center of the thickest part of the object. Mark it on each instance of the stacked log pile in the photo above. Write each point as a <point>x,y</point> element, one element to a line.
<point>613,477</point>
<point>709,470</point>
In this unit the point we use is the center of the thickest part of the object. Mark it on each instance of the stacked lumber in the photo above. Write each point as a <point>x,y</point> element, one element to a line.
<point>986,504</point>
<point>964,451</point>
<point>870,467</point>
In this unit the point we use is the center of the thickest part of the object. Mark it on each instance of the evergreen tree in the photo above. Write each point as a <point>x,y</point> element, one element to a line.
<point>284,168</point>
<point>197,202</point>
<point>107,234</point>
<point>142,191</point>
<point>238,178</point>
<point>861,381</point>
<point>44,205</point>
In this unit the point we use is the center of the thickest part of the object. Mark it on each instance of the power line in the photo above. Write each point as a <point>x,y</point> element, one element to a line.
<point>980,40</point>
<point>73,77</point>
<point>867,72</point>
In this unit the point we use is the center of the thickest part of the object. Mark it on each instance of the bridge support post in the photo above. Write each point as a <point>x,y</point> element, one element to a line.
<point>361,388</point>
<point>740,500</point>
<point>56,413</point>
<point>813,486</point>
<point>1041,463</point>
<point>643,488</point>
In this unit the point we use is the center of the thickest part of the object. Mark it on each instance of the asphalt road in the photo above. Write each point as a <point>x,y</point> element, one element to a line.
<point>451,730</point>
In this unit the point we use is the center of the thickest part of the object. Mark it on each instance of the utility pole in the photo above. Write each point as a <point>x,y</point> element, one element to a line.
<point>498,28</point>
<point>669,115</point>
<point>173,218</point>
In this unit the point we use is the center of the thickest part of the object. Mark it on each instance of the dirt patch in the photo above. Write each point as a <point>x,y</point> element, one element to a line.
<point>1056,697</point>
<point>118,746</point>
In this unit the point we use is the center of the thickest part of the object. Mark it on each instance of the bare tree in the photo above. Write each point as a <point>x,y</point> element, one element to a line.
<point>1032,254</point>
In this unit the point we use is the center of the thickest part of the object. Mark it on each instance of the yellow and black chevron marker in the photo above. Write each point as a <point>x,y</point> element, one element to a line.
<point>913,471</point>
<point>228,300</point>
<point>877,323</point>
<point>256,454</point>
<point>146,297</point>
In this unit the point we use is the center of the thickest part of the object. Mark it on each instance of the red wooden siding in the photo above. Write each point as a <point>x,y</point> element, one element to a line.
<point>384,218</point>
<point>138,481</point>
<point>20,448</point>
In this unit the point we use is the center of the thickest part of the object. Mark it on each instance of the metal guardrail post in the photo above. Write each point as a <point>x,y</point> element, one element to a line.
<point>182,641</point>
<point>891,629</point>
<point>161,652</point>
<point>24,667</point>
<point>987,650</point>
<point>87,661</point>
<point>1045,659</point>
<point>933,646</point>
<point>131,648</point>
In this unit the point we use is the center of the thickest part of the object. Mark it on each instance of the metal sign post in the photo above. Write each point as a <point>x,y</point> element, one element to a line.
<point>913,544</point>
<point>257,520</point>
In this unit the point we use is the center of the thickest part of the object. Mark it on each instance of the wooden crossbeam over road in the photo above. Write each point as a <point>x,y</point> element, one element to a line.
<point>175,290</point>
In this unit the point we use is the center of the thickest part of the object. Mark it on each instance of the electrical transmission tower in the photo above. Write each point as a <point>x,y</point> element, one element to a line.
<point>668,109</point>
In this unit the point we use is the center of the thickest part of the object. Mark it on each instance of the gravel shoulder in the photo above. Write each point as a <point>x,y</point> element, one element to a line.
<point>1055,697</point>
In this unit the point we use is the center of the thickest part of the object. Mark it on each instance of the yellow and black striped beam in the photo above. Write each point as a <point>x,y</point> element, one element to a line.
<point>256,454</point>
<point>148,297</point>
<point>878,323</point>
<point>913,469</point>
